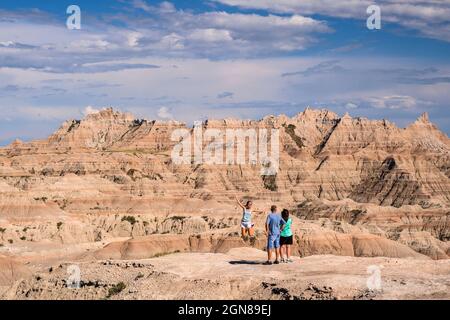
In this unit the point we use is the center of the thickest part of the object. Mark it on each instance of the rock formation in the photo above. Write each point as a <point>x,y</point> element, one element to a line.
<point>107,187</point>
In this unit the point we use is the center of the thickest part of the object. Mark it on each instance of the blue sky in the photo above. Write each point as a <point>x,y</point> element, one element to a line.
<point>192,60</point>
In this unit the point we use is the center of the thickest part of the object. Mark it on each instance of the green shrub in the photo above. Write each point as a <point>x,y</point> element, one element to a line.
<point>116,289</point>
<point>270,182</point>
<point>290,130</point>
<point>132,220</point>
<point>180,218</point>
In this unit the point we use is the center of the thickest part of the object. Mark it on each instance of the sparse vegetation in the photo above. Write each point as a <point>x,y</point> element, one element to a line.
<point>23,238</point>
<point>116,289</point>
<point>10,241</point>
<point>179,218</point>
<point>161,254</point>
<point>139,276</point>
<point>64,204</point>
<point>43,199</point>
<point>2,230</point>
<point>58,225</point>
<point>290,130</point>
<point>270,182</point>
<point>132,220</point>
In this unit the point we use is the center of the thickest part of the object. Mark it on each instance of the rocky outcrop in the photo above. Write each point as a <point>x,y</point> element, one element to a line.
<point>373,188</point>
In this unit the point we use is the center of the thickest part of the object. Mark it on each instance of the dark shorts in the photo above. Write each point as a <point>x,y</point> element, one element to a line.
<point>286,240</point>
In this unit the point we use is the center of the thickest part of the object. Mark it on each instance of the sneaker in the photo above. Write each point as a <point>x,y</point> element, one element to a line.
<point>268,263</point>
<point>282,260</point>
<point>277,262</point>
<point>289,260</point>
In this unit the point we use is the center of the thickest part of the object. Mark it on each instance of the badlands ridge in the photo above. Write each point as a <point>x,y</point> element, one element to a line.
<point>104,194</point>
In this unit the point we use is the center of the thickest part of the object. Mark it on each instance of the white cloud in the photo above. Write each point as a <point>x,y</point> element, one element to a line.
<point>172,41</point>
<point>351,105</point>
<point>141,4</point>
<point>164,113</point>
<point>393,102</point>
<point>167,7</point>
<point>210,35</point>
<point>90,110</point>
<point>161,31</point>
<point>428,17</point>
<point>133,39</point>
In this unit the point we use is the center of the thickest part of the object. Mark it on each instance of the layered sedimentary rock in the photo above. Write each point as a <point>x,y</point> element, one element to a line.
<point>112,176</point>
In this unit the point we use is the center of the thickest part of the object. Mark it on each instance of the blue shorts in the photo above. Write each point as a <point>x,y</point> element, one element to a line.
<point>273,242</point>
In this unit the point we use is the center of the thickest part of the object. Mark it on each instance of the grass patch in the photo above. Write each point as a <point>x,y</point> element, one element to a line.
<point>116,289</point>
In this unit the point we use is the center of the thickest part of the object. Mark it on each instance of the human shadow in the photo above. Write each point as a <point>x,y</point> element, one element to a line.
<point>252,262</point>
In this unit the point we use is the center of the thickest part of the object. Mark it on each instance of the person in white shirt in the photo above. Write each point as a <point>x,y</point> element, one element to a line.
<point>246,222</point>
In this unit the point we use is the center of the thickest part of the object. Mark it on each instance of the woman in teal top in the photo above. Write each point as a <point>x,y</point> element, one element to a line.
<point>286,237</point>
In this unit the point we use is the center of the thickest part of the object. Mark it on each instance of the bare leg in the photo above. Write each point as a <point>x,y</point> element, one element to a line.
<point>288,251</point>
<point>251,232</point>
<point>243,232</point>
<point>269,254</point>
<point>277,254</point>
